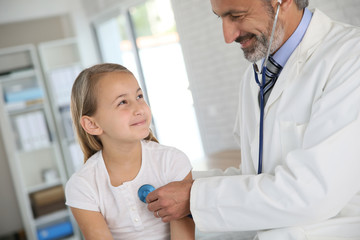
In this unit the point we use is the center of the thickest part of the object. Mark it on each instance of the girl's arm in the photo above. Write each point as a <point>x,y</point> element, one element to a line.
<point>92,224</point>
<point>183,229</point>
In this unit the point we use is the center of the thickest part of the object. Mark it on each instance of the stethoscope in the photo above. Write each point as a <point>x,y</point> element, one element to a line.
<point>144,190</point>
<point>262,87</point>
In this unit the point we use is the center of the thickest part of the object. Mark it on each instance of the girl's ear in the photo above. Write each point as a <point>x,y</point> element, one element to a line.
<point>90,126</point>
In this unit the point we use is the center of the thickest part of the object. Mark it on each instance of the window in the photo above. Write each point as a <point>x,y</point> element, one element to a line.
<point>144,39</point>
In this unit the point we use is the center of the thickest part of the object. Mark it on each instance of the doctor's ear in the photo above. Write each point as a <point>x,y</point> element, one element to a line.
<point>285,4</point>
<point>90,126</point>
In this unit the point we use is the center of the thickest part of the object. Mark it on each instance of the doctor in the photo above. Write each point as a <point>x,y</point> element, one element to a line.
<point>308,186</point>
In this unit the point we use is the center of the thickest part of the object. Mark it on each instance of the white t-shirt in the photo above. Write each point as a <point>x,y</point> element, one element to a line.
<point>126,216</point>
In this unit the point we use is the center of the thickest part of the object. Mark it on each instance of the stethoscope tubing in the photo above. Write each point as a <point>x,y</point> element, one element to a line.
<point>261,123</point>
<point>262,90</point>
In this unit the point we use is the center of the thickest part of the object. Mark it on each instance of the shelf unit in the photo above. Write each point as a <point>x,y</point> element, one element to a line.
<point>61,64</point>
<point>32,146</point>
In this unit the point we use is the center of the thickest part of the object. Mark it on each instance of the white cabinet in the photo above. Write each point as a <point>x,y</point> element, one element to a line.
<point>32,146</point>
<point>62,63</point>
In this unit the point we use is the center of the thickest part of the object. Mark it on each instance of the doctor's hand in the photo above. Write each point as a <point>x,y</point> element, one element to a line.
<point>172,201</point>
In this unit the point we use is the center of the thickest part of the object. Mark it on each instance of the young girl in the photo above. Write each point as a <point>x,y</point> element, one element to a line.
<point>112,122</point>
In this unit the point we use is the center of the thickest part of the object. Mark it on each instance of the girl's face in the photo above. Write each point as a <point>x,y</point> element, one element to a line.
<point>122,114</point>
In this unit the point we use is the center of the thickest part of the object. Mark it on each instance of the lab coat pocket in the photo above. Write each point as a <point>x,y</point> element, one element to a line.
<point>292,135</point>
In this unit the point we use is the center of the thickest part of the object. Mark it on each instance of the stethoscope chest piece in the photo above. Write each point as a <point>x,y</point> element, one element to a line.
<point>144,190</point>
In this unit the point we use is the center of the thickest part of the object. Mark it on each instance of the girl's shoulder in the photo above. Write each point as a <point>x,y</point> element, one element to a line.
<point>171,163</point>
<point>163,154</point>
<point>89,168</point>
<point>157,148</point>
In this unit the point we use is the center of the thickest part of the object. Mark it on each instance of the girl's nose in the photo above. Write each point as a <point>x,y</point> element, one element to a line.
<point>139,109</point>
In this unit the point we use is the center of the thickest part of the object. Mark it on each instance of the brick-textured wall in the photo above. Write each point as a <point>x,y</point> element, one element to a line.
<point>215,68</point>
<point>341,10</point>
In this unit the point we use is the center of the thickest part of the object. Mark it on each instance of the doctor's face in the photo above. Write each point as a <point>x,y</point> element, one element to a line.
<point>249,23</point>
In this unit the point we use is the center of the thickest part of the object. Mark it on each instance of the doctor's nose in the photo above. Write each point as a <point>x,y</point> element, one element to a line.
<point>230,31</point>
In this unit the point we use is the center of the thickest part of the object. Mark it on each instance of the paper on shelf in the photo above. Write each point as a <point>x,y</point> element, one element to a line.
<point>23,131</point>
<point>32,131</point>
<point>41,126</point>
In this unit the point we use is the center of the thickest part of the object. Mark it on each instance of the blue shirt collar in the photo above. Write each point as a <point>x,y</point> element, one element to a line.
<point>284,53</point>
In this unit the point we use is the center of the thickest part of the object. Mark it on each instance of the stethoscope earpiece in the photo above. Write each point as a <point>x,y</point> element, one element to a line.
<point>144,190</point>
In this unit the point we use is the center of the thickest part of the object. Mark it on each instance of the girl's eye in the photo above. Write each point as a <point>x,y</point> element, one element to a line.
<point>140,96</point>
<point>122,102</point>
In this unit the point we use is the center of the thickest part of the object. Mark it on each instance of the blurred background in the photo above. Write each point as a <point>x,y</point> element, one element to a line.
<point>175,49</point>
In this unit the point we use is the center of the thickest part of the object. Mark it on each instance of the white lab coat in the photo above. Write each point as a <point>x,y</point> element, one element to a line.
<point>310,188</point>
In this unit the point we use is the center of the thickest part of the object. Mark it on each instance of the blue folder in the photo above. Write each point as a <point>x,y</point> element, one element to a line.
<point>24,95</point>
<point>55,231</point>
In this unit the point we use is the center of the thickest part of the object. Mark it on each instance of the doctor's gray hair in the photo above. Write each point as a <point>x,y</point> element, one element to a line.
<point>301,4</point>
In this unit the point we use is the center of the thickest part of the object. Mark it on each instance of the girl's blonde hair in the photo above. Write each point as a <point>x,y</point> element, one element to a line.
<point>83,102</point>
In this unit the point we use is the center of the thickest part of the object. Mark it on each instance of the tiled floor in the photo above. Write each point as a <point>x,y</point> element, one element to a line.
<point>222,160</point>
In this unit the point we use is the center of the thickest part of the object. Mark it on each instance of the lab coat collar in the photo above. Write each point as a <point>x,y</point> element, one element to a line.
<point>319,27</point>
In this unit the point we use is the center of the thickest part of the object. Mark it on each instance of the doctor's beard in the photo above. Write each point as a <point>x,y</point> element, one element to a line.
<point>259,49</point>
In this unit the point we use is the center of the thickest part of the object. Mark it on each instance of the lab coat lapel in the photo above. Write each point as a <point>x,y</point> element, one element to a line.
<point>317,30</point>
<point>290,70</point>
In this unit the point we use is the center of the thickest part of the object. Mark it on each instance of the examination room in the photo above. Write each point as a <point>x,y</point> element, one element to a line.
<point>180,119</point>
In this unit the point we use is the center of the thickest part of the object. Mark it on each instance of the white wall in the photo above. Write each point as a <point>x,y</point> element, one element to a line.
<point>24,10</point>
<point>214,71</point>
<point>341,10</point>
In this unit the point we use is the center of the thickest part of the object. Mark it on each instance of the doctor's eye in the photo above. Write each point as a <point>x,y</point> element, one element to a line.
<point>236,17</point>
